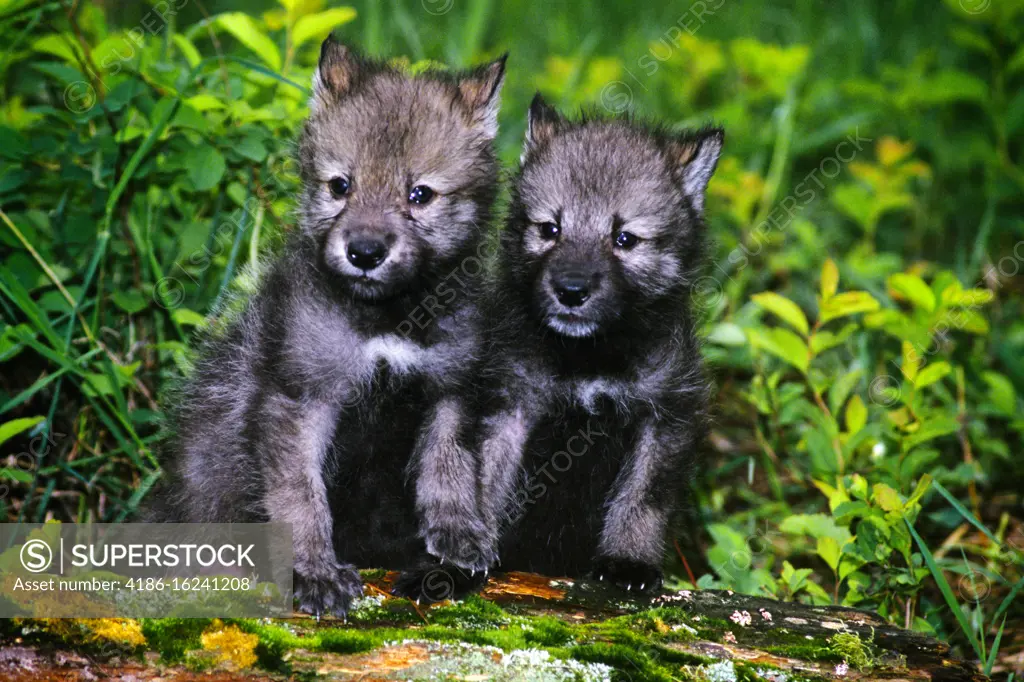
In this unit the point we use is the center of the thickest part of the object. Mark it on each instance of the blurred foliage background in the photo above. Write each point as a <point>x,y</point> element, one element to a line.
<point>862,307</point>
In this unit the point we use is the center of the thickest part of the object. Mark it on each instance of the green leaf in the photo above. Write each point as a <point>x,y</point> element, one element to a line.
<point>856,415</point>
<point>12,428</point>
<point>829,279</point>
<point>932,373</point>
<point>59,45</point>
<point>847,511</point>
<point>19,475</point>
<point>848,303</point>
<point>320,24</point>
<point>950,85</point>
<point>968,320</point>
<point>783,344</point>
<point>816,526</point>
<point>788,311</point>
<point>205,102</point>
<point>245,29</point>
<point>849,564</point>
<point>856,202</point>
<point>13,145</point>
<point>931,429</point>
<point>836,496</point>
<point>251,148</point>
<point>919,491</point>
<point>859,487</point>
<point>972,40</point>
<point>188,50</point>
<point>206,167</point>
<point>130,301</point>
<point>186,317</point>
<point>886,498</point>
<point>727,334</point>
<point>872,540</point>
<point>1001,393</point>
<point>824,340</point>
<point>912,288</point>
<point>828,550</point>
<point>956,297</point>
<point>1016,62</point>
<point>911,361</point>
<point>841,389</point>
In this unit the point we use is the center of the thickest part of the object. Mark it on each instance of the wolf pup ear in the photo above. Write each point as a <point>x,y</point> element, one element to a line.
<point>542,123</point>
<point>336,73</point>
<point>481,90</point>
<point>696,155</point>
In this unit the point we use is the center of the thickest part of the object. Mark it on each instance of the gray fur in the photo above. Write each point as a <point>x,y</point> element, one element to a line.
<point>627,356</point>
<point>263,420</point>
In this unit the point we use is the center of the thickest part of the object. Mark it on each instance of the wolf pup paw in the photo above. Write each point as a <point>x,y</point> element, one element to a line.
<point>470,549</point>
<point>327,588</point>
<point>434,583</point>
<point>626,574</point>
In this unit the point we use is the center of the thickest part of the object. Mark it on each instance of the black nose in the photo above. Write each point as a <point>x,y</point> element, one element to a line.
<point>571,289</point>
<point>366,254</point>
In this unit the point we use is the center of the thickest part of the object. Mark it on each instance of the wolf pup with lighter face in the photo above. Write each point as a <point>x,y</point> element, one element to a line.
<point>328,404</point>
<point>597,409</point>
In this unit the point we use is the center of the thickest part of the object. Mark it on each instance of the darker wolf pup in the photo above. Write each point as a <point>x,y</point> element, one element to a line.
<point>597,407</point>
<point>322,406</point>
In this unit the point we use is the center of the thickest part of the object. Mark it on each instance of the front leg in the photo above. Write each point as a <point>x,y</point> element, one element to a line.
<point>501,457</point>
<point>446,490</point>
<point>632,543</point>
<point>292,438</point>
<point>501,454</point>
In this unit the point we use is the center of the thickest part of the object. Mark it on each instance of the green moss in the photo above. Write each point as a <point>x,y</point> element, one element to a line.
<point>637,665</point>
<point>348,641</point>
<point>274,642</point>
<point>804,652</point>
<point>172,638</point>
<point>380,610</point>
<point>507,640</point>
<point>474,612</point>
<point>681,657</point>
<point>852,649</point>
<point>548,631</point>
<point>746,673</point>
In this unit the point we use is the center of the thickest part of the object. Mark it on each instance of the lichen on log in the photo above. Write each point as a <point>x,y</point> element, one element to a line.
<point>522,627</point>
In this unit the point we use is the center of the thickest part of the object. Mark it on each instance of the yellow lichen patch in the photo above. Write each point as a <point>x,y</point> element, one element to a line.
<point>120,630</point>
<point>230,645</point>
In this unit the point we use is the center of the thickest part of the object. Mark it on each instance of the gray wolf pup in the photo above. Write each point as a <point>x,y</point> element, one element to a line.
<point>596,403</point>
<point>330,402</point>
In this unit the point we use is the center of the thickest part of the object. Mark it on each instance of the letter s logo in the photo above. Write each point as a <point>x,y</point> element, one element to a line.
<point>36,556</point>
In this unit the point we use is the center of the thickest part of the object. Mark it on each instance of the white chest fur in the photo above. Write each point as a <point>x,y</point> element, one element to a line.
<point>401,355</point>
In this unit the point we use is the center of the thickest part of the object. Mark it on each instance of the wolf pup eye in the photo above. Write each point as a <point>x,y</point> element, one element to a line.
<point>626,240</point>
<point>339,187</point>
<point>549,231</point>
<point>420,194</point>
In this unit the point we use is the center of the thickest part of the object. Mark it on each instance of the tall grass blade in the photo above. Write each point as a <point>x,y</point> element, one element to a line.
<point>947,591</point>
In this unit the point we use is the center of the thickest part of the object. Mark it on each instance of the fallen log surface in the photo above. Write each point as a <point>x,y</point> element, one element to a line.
<point>523,627</point>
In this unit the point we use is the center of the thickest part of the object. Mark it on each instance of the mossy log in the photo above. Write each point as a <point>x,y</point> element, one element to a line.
<point>523,627</point>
